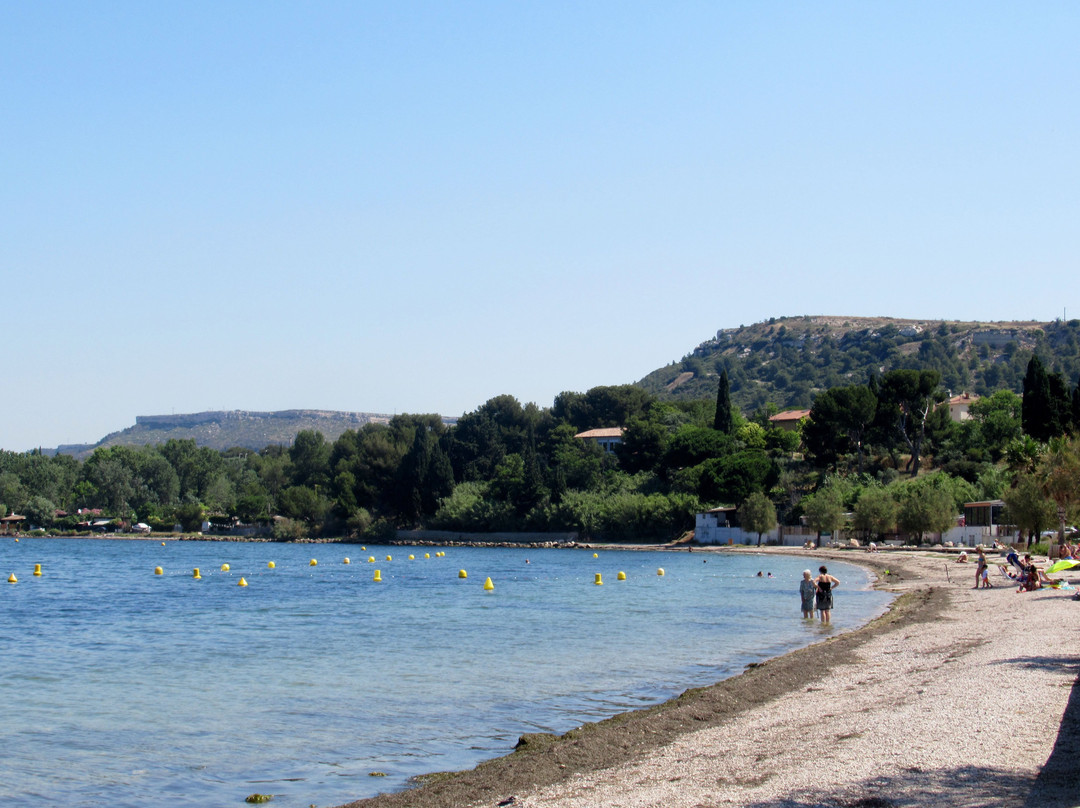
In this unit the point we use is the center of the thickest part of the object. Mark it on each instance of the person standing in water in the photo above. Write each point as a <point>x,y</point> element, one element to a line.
<point>807,591</point>
<point>825,585</point>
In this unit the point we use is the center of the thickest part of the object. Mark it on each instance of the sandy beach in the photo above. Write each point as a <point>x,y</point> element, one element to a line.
<point>956,697</point>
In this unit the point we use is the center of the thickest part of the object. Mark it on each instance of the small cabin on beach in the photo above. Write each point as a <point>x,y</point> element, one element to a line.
<point>10,524</point>
<point>721,526</point>
<point>983,523</point>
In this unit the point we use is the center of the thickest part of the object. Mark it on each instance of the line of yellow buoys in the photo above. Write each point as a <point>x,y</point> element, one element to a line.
<point>488,585</point>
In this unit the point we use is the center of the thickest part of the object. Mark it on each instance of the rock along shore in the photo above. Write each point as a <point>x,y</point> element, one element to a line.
<point>955,697</point>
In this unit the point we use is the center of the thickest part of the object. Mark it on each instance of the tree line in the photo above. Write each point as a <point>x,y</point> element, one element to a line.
<point>885,452</point>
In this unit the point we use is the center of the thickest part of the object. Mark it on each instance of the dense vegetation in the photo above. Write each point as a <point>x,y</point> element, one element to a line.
<point>884,450</point>
<point>787,361</point>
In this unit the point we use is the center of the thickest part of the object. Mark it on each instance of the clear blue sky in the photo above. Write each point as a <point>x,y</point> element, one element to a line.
<point>413,207</point>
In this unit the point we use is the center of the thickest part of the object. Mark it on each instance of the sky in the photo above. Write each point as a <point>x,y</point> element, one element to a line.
<point>414,207</point>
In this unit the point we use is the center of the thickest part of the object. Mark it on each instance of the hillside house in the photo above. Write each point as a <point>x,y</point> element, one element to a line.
<point>960,405</point>
<point>789,419</point>
<point>607,438</point>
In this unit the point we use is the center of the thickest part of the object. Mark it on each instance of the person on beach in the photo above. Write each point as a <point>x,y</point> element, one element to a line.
<point>980,569</point>
<point>1032,579</point>
<point>808,592</point>
<point>825,584</point>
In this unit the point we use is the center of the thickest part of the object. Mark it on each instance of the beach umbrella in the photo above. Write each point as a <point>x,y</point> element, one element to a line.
<point>1064,564</point>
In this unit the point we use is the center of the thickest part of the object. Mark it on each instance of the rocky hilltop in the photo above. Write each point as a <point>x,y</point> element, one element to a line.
<point>787,360</point>
<point>233,428</point>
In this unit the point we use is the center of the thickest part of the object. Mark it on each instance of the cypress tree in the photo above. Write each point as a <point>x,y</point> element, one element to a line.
<point>1076,409</point>
<point>1035,409</point>
<point>723,422</point>
<point>1046,411</point>
<point>1060,405</point>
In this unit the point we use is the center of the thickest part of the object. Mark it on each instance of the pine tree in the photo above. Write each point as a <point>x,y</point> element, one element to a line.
<point>723,422</point>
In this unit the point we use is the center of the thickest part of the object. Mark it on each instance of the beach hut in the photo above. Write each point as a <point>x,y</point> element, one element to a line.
<point>10,524</point>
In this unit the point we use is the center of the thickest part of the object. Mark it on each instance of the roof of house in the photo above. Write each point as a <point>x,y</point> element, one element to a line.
<point>606,432</point>
<point>13,518</point>
<point>790,415</point>
<point>963,398</point>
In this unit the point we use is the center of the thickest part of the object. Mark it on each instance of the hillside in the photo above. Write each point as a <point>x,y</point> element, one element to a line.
<point>787,360</point>
<point>784,361</point>
<point>234,428</point>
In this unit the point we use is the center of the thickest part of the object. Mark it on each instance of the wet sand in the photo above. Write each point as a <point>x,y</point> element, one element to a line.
<point>955,697</point>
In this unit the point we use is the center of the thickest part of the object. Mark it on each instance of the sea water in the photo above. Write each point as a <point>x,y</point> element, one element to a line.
<point>120,687</point>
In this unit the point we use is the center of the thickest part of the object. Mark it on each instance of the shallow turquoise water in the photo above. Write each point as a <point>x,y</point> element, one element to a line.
<point>123,688</point>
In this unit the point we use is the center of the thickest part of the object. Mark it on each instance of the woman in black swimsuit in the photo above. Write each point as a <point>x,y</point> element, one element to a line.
<point>825,586</point>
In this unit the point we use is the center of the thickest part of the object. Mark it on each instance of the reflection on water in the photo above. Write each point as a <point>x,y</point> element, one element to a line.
<point>124,687</point>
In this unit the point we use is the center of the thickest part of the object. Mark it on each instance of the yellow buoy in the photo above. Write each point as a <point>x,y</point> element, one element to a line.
<point>388,558</point>
<point>224,567</point>
<point>270,565</point>
<point>163,544</point>
<point>427,555</point>
<point>363,548</point>
<point>488,585</point>
<point>462,574</point>
<point>11,578</point>
<point>157,571</point>
<point>346,561</point>
<point>37,569</point>
<point>621,576</point>
<point>598,580</point>
<point>242,582</point>
<point>660,571</point>
<point>594,555</point>
<point>371,559</point>
<point>196,575</point>
<point>412,558</point>
<point>313,563</point>
<point>378,576</point>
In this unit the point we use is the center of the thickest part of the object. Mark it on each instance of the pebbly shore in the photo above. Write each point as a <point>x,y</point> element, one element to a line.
<point>955,697</point>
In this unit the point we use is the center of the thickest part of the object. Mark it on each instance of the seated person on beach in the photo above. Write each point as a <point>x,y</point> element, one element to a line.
<point>962,558</point>
<point>1013,559</point>
<point>1032,579</point>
